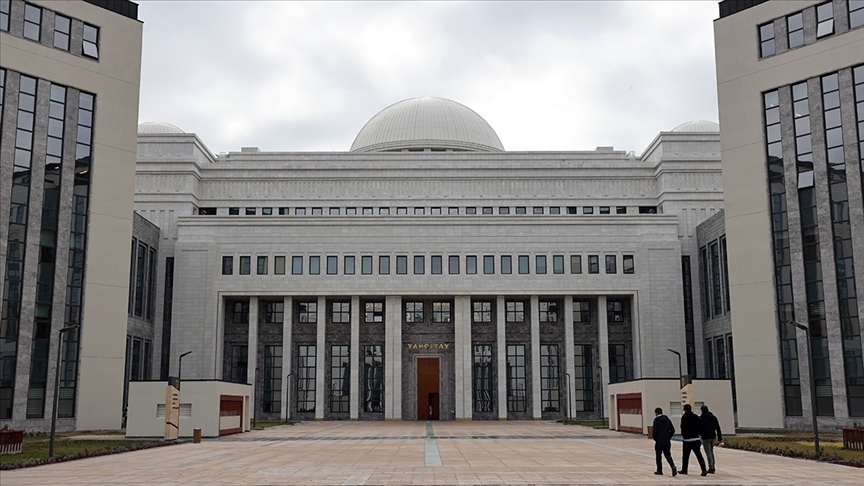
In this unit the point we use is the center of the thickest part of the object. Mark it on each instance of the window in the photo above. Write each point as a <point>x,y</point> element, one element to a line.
<point>368,212</point>
<point>419,264</point>
<point>366,264</point>
<point>558,264</point>
<point>554,210</point>
<point>240,312</point>
<point>306,363</point>
<point>441,312</point>
<point>434,210</point>
<point>515,312</point>
<point>267,211</point>
<point>488,264</point>
<point>516,391</point>
<point>340,312</point>
<point>617,363</point>
<point>245,265</point>
<point>251,211</point>
<point>454,264</point>
<point>593,264</point>
<point>274,312</point>
<point>401,211</point>
<point>401,265</point>
<point>856,13</point>
<point>488,210</point>
<point>272,379</point>
<point>436,265</point>
<point>621,210</point>
<point>227,265</point>
<point>582,311</point>
<point>503,210</point>
<point>239,363</point>
<point>90,45</point>
<point>588,210</point>
<point>374,312</point>
<point>583,376</point>
<point>575,264</point>
<point>61,32</point>
<point>413,312</point>
<point>262,265</point>
<point>766,39</point>
<point>452,210</point>
<point>482,376</point>
<point>647,209</point>
<point>4,14</point>
<point>348,264</point>
<point>824,20</point>
<point>332,265</point>
<point>605,210</point>
<point>611,264</point>
<point>521,210</point>
<point>419,211</point>
<point>334,211</point>
<point>538,210</point>
<point>32,22</point>
<point>548,311</point>
<point>716,285</point>
<point>384,265</point>
<point>550,398</point>
<point>482,311</point>
<point>314,265</point>
<point>795,27</point>
<point>207,211</point>
<point>297,265</point>
<point>523,264</point>
<point>627,263</point>
<point>284,211</point>
<point>307,312</point>
<point>317,211</point>
<point>471,264</point>
<point>572,210</point>
<point>540,264</point>
<point>615,310</point>
<point>470,210</point>
<point>279,265</point>
<point>384,211</point>
<point>233,211</point>
<point>299,211</point>
<point>373,373</point>
<point>506,264</point>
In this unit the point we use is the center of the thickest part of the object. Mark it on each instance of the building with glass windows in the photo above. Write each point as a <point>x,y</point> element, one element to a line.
<point>427,272</point>
<point>790,81</point>
<point>69,76</point>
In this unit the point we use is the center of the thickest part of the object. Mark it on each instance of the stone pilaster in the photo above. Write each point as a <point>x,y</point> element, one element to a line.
<point>354,404</point>
<point>536,403</point>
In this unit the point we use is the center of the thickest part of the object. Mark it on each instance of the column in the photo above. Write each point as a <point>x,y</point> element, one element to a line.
<point>500,311</point>
<point>354,405</point>
<point>252,354</point>
<point>393,359</point>
<point>320,359</point>
<point>463,356</point>
<point>603,352</point>
<point>287,347</point>
<point>569,356</point>
<point>536,399</point>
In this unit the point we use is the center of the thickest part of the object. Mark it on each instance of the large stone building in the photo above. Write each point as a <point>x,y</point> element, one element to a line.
<point>69,76</point>
<point>427,272</point>
<point>790,79</point>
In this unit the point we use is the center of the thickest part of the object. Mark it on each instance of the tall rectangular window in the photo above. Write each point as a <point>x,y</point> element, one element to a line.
<point>240,312</point>
<point>279,265</point>
<point>471,264</point>
<point>856,13</point>
<point>524,265</point>
<point>716,284</point>
<point>550,390</point>
<point>453,264</point>
<point>340,379</point>
<point>615,310</point>
<point>414,312</point>
<point>374,312</point>
<point>540,264</point>
<point>307,312</point>
<point>419,264</point>
<point>401,265</point>
<point>297,265</point>
<point>593,264</point>
<point>558,264</point>
<point>262,265</point>
<point>617,363</point>
<point>488,264</point>
<point>32,22</point>
<point>482,312</point>
<point>627,263</point>
<point>766,39</point>
<point>366,264</point>
<point>583,377</point>
<point>506,264</point>
<point>61,31</point>
<point>825,19</point>
<point>306,361</point>
<point>239,363</point>
<point>272,379</point>
<point>5,8</point>
<point>314,265</point>
<point>274,312</point>
<point>483,377</point>
<point>515,311</point>
<point>441,312</point>
<point>340,312</point>
<point>795,27</point>
<point>90,41</point>
<point>373,378</point>
<point>436,265</point>
<point>384,265</point>
<point>611,264</point>
<point>245,265</point>
<point>332,265</point>
<point>548,311</point>
<point>575,264</point>
<point>227,265</point>
<point>581,311</point>
<point>348,265</point>
<point>517,394</point>
<point>720,353</point>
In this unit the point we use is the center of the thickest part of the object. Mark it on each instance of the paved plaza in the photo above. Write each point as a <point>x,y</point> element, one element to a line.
<point>424,453</point>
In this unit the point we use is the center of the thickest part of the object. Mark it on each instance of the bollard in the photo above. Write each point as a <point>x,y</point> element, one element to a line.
<point>196,436</point>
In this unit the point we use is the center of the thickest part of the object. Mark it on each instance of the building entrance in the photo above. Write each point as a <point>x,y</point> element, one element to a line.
<point>428,393</point>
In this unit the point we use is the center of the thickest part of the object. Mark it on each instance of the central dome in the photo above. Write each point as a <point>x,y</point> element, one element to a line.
<point>427,123</point>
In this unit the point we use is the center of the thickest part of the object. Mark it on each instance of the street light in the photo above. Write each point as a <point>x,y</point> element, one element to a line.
<point>288,397</point>
<point>180,368</point>
<point>57,385</point>
<point>812,383</point>
<point>602,399</point>
<point>569,415</point>
<point>680,371</point>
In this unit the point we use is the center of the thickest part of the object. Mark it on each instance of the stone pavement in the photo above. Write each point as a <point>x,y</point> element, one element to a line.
<point>424,453</point>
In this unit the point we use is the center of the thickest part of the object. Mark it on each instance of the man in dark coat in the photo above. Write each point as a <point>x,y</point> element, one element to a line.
<point>690,425</point>
<point>663,430</point>
<point>710,430</point>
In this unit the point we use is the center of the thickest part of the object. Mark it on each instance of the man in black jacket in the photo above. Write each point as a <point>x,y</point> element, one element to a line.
<point>663,430</point>
<point>690,425</point>
<point>709,430</point>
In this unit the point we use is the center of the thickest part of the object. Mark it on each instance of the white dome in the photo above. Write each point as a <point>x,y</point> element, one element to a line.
<point>421,123</point>
<point>697,126</point>
<point>158,127</point>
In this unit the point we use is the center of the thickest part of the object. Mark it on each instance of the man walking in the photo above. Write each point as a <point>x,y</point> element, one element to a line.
<point>710,430</point>
<point>663,430</point>
<point>690,425</point>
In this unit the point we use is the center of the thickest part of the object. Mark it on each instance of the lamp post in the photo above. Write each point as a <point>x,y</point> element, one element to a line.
<point>680,371</point>
<point>288,397</point>
<point>812,384</point>
<point>569,415</point>
<point>255,396</point>
<point>180,368</point>
<point>57,385</point>
<point>602,399</point>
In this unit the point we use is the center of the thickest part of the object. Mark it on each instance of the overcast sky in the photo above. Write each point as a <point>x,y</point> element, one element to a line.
<point>306,76</point>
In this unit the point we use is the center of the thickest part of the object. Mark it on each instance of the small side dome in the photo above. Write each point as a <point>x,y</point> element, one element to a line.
<point>158,127</point>
<point>697,126</point>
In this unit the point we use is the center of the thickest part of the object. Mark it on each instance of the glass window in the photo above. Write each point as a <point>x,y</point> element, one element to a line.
<point>471,264</point>
<point>5,7</point>
<point>605,210</point>
<point>524,264</point>
<point>548,311</point>
<point>366,264</point>
<point>297,265</point>
<point>384,265</point>
<point>593,264</point>
<point>521,210</point>
<point>32,22</point>
<point>374,312</point>
<point>267,211</point>
<point>90,45</point>
<point>488,264</point>
<point>488,210</point>
<point>582,311</point>
<point>227,265</point>
<point>572,210</point>
<point>401,265</point>
<point>621,210</point>
<point>373,372</point>
<point>307,312</point>
<point>627,261</point>
<point>413,312</point>
<point>419,211</point>
<point>615,310</point>
<point>401,211</point>
<point>470,210</point>
<point>340,312</point>
<point>272,379</point>
<point>588,210</point>
<point>250,211</point>
<point>239,363</point>
<point>274,312</point>
<point>856,13</point>
<point>245,265</point>
<point>434,210</point>
<point>454,264</point>
<point>503,210</point>
<point>279,265</point>
<point>240,312</point>
<point>766,39</point>
<point>61,32</point>
<point>332,265</point>
<point>437,265</point>
<point>538,210</point>
<point>506,264</point>
<point>419,264</point>
<point>540,264</point>
<point>368,211</point>
<point>583,377</point>
<point>284,211</point>
<point>334,211</point>
<point>482,311</point>
<point>299,211</point>
<point>617,363</point>
<point>515,311</point>
<point>348,264</point>
<point>233,211</point>
<point>314,265</point>
<point>452,210</point>
<point>383,211</point>
<point>262,265</point>
<point>795,27</point>
<point>483,378</point>
<point>611,264</point>
<point>441,312</point>
<point>558,264</point>
<point>516,378</point>
<point>575,264</point>
<point>317,211</point>
<point>306,379</point>
<point>824,20</point>
<point>554,210</point>
<point>550,392</point>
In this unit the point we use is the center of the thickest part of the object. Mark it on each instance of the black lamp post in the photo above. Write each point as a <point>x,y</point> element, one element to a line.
<point>57,385</point>
<point>180,368</point>
<point>680,371</point>
<point>602,399</point>
<point>812,384</point>
<point>288,397</point>
<point>569,415</point>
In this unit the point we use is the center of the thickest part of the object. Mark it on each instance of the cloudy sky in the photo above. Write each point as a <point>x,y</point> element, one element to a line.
<point>306,76</point>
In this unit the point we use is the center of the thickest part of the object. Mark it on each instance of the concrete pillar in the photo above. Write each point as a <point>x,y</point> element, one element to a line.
<point>287,348</point>
<point>393,359</point>
<point>354,405</point>
<point>252,353</point>
<point>500,312</point>
<point>569,356</point>
<point>320,362</point>
<point>603,352</point>
<point>463,357</point>
<point>536,402</point>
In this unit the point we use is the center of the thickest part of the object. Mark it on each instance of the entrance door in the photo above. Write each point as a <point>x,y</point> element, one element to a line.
<point>427,389</point>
